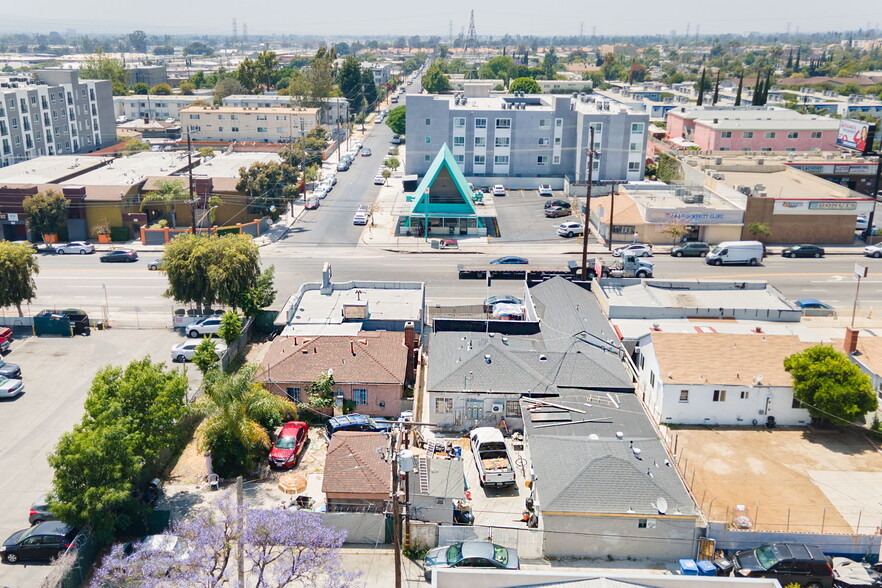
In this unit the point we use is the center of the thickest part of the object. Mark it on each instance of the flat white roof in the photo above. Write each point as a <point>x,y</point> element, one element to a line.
<point>227,166</point>
<point>125,171</point>
<point>48,169</point>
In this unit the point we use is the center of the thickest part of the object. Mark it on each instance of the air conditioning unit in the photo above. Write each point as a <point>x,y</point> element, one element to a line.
<point>496,407</point>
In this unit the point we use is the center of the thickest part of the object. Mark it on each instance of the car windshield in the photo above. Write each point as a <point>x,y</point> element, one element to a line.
<point>766,556</point>
<point>286,442</point>
<point>454,554</point>
<point>3,380</point>
<point>716,250</point>
<point>500,554</point>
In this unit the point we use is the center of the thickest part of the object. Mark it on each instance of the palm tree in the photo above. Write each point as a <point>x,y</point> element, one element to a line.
<point>168,193</point>
<point>238,415</point>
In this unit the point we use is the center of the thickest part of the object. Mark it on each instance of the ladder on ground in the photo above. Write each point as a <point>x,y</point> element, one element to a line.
<point>431,447</point>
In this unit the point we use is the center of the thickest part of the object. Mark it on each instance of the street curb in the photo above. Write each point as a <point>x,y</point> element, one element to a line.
<point>451,252</point>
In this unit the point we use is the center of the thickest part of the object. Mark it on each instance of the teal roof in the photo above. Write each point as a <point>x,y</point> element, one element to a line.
<point>444,159</point>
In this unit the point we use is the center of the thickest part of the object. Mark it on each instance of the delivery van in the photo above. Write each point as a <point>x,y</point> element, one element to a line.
<point>736,252</point>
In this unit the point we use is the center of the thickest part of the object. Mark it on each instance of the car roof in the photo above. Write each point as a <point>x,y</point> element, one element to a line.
<point>49,528</point>
<point>477,549</point>
<point>294,426</point>
<point>348,419</point>
<point>798,551</point>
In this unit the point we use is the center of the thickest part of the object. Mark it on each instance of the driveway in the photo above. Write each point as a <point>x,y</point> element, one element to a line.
<point>57,373</point>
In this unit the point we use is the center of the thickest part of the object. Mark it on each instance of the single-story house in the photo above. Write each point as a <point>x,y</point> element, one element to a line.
<point>356,478</point>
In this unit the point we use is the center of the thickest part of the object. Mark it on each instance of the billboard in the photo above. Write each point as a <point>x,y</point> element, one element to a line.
<point>856,135</point>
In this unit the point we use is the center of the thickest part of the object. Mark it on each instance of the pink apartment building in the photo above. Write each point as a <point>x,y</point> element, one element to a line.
<point>752,128</point>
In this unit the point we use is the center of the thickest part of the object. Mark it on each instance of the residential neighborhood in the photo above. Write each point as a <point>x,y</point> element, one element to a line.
<point>538,296</point>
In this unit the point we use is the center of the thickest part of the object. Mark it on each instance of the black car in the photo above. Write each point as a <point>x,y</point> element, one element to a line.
<point>120,255</point>
<point>40,511</point>
<point>692,249</point>
<point>44,541</point>
<point>558,203</point>
<point>789,563</point>
<point>9,370</point>
<point>803,251</point>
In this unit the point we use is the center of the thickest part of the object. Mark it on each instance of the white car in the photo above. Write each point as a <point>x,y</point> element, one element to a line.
<point>10,388</point>
<point>80,247</point>
<point>184,351</point>
<point>320,192</point>
<point>121,119</point>
<point>379,180</point>
<point>545,190</point>
<point>499,190</point>
<point>331,178</point>
<point>361,218</point>
<point>209,325</point>
<point>359,145</point>
<point>570,229</point>
<point>861,224</point>
<point>635,249</point>
<point>154,265</point>
<point>873,250</point>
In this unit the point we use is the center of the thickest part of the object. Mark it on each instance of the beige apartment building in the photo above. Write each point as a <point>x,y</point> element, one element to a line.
<point>239,123</point>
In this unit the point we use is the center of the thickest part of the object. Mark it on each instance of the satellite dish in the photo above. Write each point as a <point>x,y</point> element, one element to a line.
<point>662,505</point>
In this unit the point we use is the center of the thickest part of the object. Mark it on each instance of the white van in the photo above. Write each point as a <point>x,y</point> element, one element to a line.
<point>736,252</point>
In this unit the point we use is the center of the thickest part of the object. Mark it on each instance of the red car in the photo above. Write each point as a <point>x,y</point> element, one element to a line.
<point>289,445</point>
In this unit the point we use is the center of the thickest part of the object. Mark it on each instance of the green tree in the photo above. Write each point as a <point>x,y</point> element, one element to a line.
<point>369,89</point>
<point>349,79</point>
<point>227,87</point>
<point>268,184</point>
<point>205,355</point>
<point>758,229</point>
<point>167,193</point>
<point>701,87</point>
<point>397,119</point>
<point>187,89</point>
<point>198,48</point>
<point>47,212</point>
<point>740,87</point>
<point>99,66</point>
<point>239,414</point>
<point>321,392</point>
<point>549,63</point>
<point>261,295</point>
<point>162,89</point>
<point>18,265</point>
<point>205,152</point>
<point>526,85</point>
<point>829,385</point>
<point>434,81</point>
<point>387,173</point>
<point>265,66</point>
<point>230,327</point>
<point>138,41</point>
<point>140,89</point>
<point>136,145</point>
<point>392,163</point>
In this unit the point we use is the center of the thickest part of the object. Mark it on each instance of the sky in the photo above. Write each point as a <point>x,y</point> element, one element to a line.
<point>425,18</point>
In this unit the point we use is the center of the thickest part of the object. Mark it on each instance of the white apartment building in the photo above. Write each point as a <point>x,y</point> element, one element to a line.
<point>335,110</point>
<point>153,107</point>
<point>261,125</point>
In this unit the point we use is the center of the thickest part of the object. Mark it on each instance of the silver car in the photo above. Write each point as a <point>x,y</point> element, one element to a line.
<point>207,326</point>
<point>477,554</point>
<point>184,351</point>
<point>80,247</point>
<point>10,388</point>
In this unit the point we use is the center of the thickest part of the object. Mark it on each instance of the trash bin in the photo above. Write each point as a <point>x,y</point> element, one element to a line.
<point>688,567</point>
<point>706,568</point>
<point>724,566</point>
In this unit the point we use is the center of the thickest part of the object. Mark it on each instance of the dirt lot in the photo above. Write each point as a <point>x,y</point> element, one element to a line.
<point>789,479</point>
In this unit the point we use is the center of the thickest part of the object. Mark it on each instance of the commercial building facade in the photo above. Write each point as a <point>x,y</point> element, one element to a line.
<point>261,125</point>
<point>54,113</point>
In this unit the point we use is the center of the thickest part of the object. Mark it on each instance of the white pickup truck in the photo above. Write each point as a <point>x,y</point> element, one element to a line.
<point>491,457</point>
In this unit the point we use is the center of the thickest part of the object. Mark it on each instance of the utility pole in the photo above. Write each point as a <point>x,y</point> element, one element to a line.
<point>396,507</point>
<point>240,553</point>
<point>586,230</point>
<point>612,210</point>
<point>869,230</point>
<point>190,171</point>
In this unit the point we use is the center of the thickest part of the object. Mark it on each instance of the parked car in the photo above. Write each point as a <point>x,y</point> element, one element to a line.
<point>120,256</point>
<point>311,203</point>
<point>635,249</point>
<point>394,100</point>
<point>545,190</point>
<point>509,259</point>
<point>183,352</point>
<point>160,545</point>
<point>492,458</point>
<point>789,563</point>
<point>803,251</point>
<point>557,211</point>
<point>379,180</point>
<point>6,337</point>
<point>498,190</point>
<point>80,247</point>
<point>332,178</point>
<point>492,301</point>
<point>570,229</point>
<point>9,370</point>
<point>320,193</point>
<point>361,218</point>
<point>358,144</point>
<point>289,444</point>
<point>558,203</point>
<point>691,249</point>
<point>342,166</point>
<point>848,573</point>
<point>10,387</point>
<point>39,511</point>
<point>471,554</point>
<point>873,250</point>
<point>366,152</point>
<point>736,252</point>
<point>209,325</point>
<point>354,422</point>
<point>396,140</point>
<point>814,307</point>
<point>44,541</point>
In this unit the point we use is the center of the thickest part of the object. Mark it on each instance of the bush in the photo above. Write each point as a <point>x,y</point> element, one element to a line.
<point>231,327</point>
<point>121,233</point>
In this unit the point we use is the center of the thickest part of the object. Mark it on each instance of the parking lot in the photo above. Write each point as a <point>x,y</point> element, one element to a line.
<point>57,373</point>
<point>522,219</point>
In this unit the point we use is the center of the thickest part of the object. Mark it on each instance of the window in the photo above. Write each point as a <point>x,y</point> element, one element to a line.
<point>279,130</point>
<point>641,523</point>
<point>598,128</point>
<point>428,122</point>
<point>543,122</point>
<point>633,166</point>
<point>219,117</point>
<point>3,129</point>
<point>745,394</point>
<point>428,158</point>
<point>747,135</point>
<point>281,117</point>
<point>234,117</point>
<point>512,409</point>
<point>480,159</point>
<point>503,123</point>
<point>816,134</point>
<point>443,405</point>
<point>557,142</point>
<point>15,123</point>
<point>500,160</point>
<point>428,140</point>
<point>726,135</point>
<point>555,160</point>
<point>459,122</point>
<point>558,122</point>
<point>635,147</point>
<point>652,379</point>
<point>293,393</point>
<point>261,129</point>
<point>460,159</point>
<point>790,149</point>
<point>480,141</point>
<point>503,141</point>
<point>459,141</point>
<point>480,123</point>
<point>719,396</point>
<point>770,134</point>
<point>544,141</point>
<point>542,160</point>
<point>795,403</point>
<point>220,129</point>
<point>195,117</point>
<point>234,129</point>
<point>766,149</point>
<point>745,149</point>
<point>636,128</point>
<point>793,135</point>
<point>684,395</point>
<point>261,117</point>
<point>359,395</point>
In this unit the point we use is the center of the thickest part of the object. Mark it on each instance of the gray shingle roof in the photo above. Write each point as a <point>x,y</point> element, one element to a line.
<point>584,468</point>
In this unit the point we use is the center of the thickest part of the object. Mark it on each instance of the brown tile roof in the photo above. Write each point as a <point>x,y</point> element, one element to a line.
<point>354,466</point>
<point>868,352</point>
<point>371,357</point>
<point>718,358</point>
<point>626,210</point>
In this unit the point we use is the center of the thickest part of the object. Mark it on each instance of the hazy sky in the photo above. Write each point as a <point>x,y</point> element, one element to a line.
<point>424,17</point>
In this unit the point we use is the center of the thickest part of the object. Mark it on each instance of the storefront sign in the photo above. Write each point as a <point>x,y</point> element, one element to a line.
<point>695,216</point>
<point>835,207</point>
<point>12,217</point>
<point>836,168</point>
<point>839,205</point>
